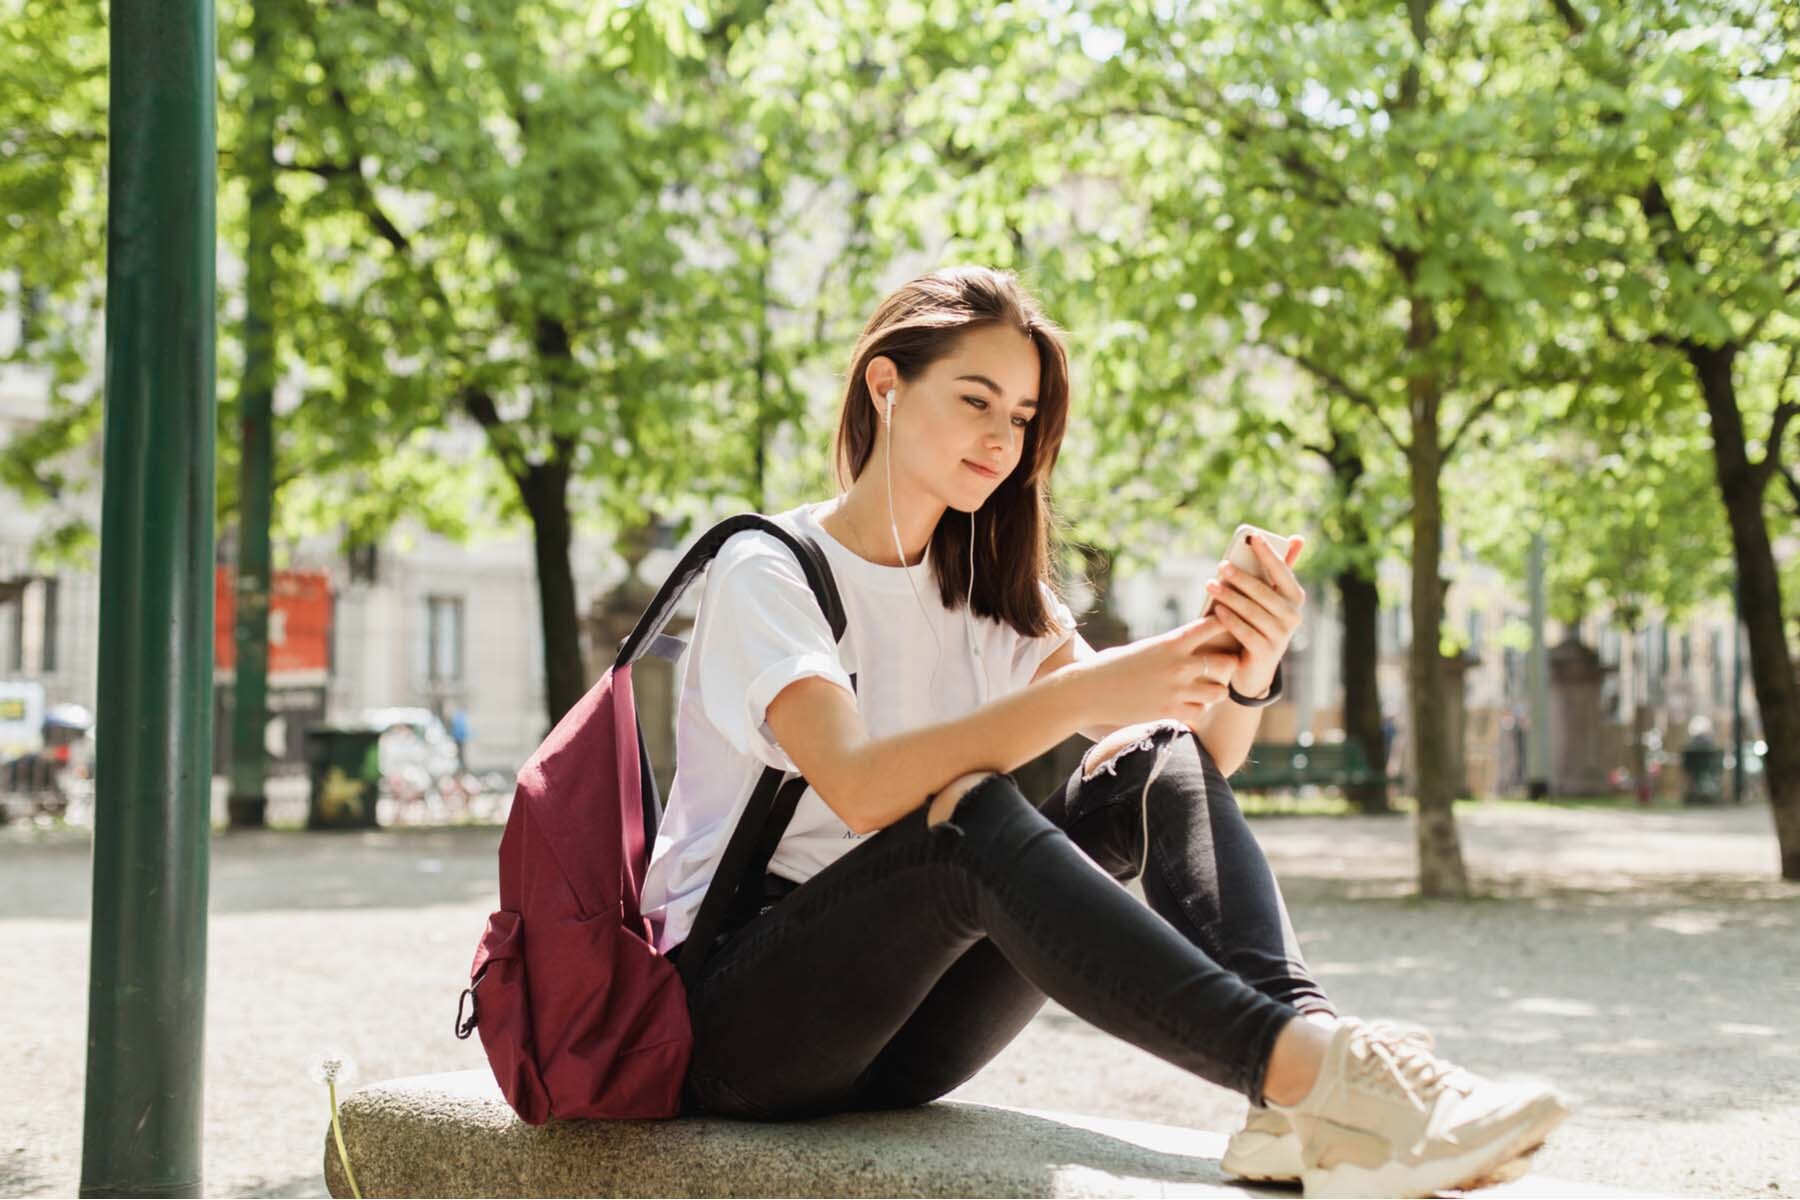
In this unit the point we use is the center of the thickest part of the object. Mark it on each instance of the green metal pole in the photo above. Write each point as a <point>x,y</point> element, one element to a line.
<point>247,803</point>
<point>147,974</point>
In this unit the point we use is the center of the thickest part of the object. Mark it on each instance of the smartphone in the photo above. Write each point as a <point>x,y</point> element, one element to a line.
<point>1243,557</point>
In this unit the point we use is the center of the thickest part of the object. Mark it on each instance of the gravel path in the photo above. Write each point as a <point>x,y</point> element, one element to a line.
<point>1647,963</point>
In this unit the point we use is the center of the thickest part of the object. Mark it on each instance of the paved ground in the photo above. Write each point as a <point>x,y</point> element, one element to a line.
<point>1645,962</point>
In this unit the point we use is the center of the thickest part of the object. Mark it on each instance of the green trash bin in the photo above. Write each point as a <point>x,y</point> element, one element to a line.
<point>1703,767</point>
<point>343,766</point>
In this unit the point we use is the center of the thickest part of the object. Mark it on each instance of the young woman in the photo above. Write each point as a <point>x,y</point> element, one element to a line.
<point>920,908</point>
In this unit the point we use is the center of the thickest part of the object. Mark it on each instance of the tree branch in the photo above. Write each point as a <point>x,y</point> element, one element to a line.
<point>365,195</point>
<point>1481,409</point>
<point>1785,411</point>
<point>322,170</point>
<point>1666,341</point>
<point>1756,327</point>
<point>1342,387</point>
<point>1793,487</point>
<point>1575,21</point>
<point>478,402</point>
<point>1239,129</point>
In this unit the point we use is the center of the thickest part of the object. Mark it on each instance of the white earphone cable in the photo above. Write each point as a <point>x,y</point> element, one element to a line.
<point>894,526</point>
<point>968,600</point>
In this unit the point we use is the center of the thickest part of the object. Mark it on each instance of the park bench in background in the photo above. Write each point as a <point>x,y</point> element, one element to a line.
<point>453,1135</point>
<point>1274,766</point>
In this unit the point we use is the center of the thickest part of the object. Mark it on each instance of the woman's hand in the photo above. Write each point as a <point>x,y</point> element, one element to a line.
<point>1167,675</point>
<point>1261,616</point>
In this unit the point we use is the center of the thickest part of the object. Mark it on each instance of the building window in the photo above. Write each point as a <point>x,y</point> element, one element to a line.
<point>444,639</point>
<point>1716,652</point>
<point>17,657</point>
<point>1687,654</point>
<point>1640,666</point>
<point>365,562</point>
<point>1656,654</point>
<point>32,301</point>
<point>50,587</point>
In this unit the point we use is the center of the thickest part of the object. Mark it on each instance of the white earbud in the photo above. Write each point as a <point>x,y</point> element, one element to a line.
<point>889,419</point>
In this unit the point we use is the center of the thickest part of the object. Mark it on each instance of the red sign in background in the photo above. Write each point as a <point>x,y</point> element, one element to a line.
<point>299,622</point>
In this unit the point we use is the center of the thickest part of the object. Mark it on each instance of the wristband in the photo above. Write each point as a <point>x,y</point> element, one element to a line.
<point>1272,695</point>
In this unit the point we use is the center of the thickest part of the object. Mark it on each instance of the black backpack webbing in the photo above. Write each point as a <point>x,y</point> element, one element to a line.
<point>771,807</point>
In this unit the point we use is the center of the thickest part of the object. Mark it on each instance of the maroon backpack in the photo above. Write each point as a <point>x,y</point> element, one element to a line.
<point>578,1012</point>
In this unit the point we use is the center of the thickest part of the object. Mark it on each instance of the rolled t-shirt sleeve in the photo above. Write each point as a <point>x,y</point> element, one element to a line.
<point>1031,652</point>
<point>758,630</point>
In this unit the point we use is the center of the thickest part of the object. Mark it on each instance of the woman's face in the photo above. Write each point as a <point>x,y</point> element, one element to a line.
<point>959,429</point>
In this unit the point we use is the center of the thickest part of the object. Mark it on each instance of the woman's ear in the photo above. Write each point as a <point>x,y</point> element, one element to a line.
<point>881,377</point>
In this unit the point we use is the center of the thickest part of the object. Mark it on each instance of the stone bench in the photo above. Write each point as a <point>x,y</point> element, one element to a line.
<point>453,1135</point>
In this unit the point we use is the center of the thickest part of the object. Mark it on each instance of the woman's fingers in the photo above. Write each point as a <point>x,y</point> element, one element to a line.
<point>1233,610</point>
<point>1199,632</point>
<point>1220,667</point>
<point>1259,594</point>
<point>1280,571</point>
<point>1206,691</point>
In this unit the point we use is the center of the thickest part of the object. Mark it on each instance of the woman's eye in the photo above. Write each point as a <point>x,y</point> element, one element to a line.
<point>981,405</point>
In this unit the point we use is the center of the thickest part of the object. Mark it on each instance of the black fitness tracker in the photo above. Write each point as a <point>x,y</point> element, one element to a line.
<point>1273,694</point>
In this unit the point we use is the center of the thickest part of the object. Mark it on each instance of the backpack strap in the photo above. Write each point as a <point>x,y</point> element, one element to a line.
<point>745,860</point>
<point>648,638</point>
<point>772,802</point>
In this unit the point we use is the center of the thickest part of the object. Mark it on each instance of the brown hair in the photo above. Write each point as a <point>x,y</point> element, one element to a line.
<point>915,326</point>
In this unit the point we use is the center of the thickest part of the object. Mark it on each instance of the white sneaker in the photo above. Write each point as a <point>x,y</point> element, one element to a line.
<point>1267,1150</point>
<point>1388,1118</point>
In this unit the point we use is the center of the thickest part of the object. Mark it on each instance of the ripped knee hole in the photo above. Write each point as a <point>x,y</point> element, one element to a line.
<point>1105,754</point>
<point>945,802</point>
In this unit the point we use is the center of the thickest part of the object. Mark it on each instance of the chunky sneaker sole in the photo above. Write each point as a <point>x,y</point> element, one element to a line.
<point>1265,1150</point>
<point>1386,1117</point>
<point>1525,1130</point>
<point>1259,1154</point>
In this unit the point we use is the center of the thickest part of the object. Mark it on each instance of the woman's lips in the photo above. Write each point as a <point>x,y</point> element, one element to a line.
<point>984,472</point>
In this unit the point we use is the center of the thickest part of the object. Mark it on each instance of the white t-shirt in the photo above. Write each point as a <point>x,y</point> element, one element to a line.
<point>759,629</point>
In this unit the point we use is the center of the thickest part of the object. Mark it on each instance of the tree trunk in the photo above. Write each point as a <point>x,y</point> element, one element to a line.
<point>1441,871</point>
<point>247,803</point>
<point>545,490</point>
<point>1640,755</point>
<point>1771,665</point>
<point>1357,657</point>
<point>1361,645</point>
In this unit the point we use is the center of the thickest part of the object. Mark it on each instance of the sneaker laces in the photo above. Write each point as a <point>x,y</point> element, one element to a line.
<point>1399,1059</point>
<point>1402,1031</point>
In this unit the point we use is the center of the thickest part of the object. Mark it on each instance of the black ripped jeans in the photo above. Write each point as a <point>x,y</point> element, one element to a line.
<point>900,970</point>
